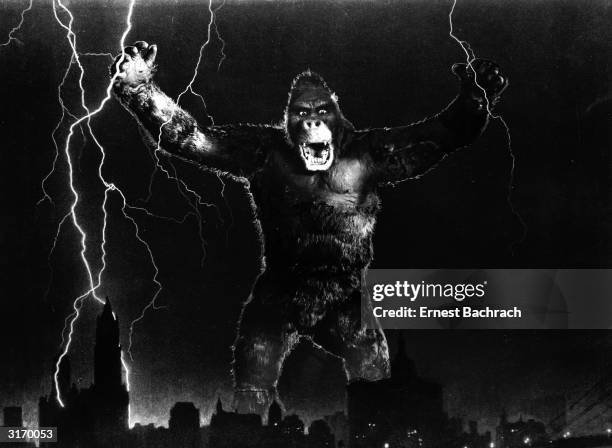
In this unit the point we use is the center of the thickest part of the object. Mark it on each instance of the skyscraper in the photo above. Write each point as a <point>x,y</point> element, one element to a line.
<point>184,425</point>
<point>109,392</point>
<point>96,416</point>
<point>404,406</point>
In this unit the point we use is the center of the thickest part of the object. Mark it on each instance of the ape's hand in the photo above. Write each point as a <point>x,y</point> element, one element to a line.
<point>137,66</point>
<point>488,78</point>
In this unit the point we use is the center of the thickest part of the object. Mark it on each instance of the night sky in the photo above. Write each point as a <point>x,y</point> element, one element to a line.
<point>389,63</point>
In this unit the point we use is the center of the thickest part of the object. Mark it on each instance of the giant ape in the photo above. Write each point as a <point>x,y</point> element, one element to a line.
<point>315,182</point>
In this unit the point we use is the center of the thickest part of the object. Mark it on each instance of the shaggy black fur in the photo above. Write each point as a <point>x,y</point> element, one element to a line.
<point>317,226</point>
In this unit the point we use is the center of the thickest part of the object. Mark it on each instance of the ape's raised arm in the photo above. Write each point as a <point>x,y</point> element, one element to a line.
<point>408,151</point>
<point>234,149</point>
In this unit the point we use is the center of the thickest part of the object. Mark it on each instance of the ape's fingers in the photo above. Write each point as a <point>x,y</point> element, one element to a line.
<point>150,55</point>
<point>482,66</point>
<point>462,71</point>
<point>134,66</point>
<point>141,45</point>
<point>125,63</point>
<point>502,84</point>
<point>119,64</point>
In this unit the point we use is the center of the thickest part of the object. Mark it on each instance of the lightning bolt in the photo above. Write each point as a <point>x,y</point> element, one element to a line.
<point>194,199</point>
<point>221,59</point>
<point>94,281</point>
<point>17,27</point>
<point>109,187</point>
<point>469,59</point>
<point>65,112</point>
<point>196,70</point>
<point>127,387</point>
<point>191,196</point>
<point>222,51</point>
<point>71,319</point>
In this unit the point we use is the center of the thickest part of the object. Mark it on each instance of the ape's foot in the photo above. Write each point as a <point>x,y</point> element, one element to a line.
<point>367,357</point>
<point>253,401</point>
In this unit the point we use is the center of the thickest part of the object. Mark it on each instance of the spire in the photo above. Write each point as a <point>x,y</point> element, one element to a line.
<point>107,328</point>
<point>108,310</point>
<point>275,414</point>
<point>219,405</point>
<point>107,354</point>
<point>503,419</point>
<point>401,365</point>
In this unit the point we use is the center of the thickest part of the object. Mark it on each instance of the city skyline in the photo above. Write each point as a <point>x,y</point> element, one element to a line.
<point>410,400</point>
<point>388,412</point>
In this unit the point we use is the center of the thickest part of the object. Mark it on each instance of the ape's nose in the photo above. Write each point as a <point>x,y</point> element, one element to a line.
<point>311,124</point>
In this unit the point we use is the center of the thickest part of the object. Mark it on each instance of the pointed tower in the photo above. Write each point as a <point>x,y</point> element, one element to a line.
<point>503,419</point>
<point>107,355</point>
<point>110,405</point>
<point>501,429</point>
<point>275,414</point>
<point>402,367</point>
<point>219,406</point>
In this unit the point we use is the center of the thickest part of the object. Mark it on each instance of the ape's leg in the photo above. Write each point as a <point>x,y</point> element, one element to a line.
<point>265,338</point>
<point>364,351</point>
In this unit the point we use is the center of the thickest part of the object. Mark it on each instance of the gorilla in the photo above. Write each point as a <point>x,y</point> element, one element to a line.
<point>315,183</point>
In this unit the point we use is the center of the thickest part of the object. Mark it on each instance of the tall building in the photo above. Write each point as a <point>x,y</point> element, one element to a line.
<point>184,425</point>
<point>473,438</point>
<point>500,431</point>
<point>320,435</point>
<point>403,410</point>
<point>275,414</point>
<point>233,430</point>
<point>109,392</point>
<point>107,349</point>
<point>338,424</point>
<point>13,416</point>
<point>96,416</point>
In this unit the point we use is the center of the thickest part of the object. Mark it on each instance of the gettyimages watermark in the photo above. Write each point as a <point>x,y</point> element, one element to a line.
<point>488,298</point>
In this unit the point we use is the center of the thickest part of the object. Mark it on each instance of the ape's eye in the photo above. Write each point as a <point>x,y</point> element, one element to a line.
<point>302,113</point>
<point>322,111</point>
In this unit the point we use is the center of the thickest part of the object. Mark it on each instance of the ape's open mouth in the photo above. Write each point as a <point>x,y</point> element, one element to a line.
<point>317,156</point>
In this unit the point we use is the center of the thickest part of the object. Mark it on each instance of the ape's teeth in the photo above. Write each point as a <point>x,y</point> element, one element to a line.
<point>316,153</point>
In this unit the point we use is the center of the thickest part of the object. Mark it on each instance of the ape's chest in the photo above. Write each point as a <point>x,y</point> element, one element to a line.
<point>348,175</point>
<point>347,180</point>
